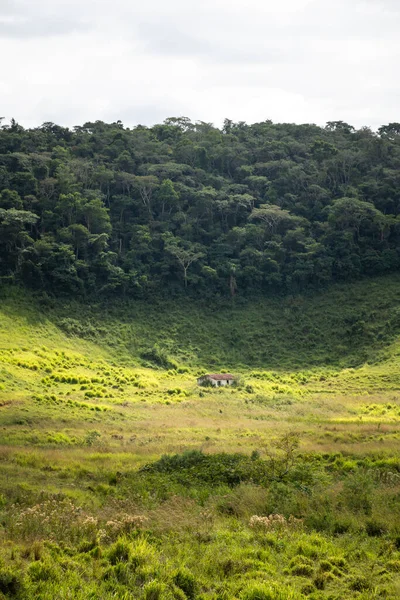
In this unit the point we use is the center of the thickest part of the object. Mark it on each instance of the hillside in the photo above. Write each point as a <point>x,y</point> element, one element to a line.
<point>93,395</point>
<point>64,366</point>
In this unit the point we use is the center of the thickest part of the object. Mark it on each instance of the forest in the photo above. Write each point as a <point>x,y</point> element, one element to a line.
<point>180,206</point>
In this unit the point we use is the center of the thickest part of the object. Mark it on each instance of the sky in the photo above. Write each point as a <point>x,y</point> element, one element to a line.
<point>297,61</point>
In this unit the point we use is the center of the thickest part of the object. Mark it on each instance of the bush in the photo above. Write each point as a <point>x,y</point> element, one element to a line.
<point>375,528</point>
<point>10,582</point>
<point>42,571</point>
<point>341,527</point>
<point>185,581</point>
<point>301,566</point>
<point>92,437</point>
<point>159,357</point>
<point>153,590</point>
<point>119,552</point>
<point>338,561</point>
<point>357,492</point>
<point>263,592</point>
<point>393,565</point>
<point>258,592</point>
<point>360,584</point>
<point>396,542</point>
<point>307,549</point>
<point>320,581</point>
<point>325,565</point>
<point>194,466</point>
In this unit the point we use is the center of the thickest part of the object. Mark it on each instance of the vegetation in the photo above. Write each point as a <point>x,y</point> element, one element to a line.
<point>132,261</point>
<point>112,211</point>
<point>121,478</point>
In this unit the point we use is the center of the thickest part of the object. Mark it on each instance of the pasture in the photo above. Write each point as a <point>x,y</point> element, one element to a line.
<point>93,397</point>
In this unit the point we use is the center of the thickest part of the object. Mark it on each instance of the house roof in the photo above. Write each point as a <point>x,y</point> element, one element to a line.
<point>220,376</point>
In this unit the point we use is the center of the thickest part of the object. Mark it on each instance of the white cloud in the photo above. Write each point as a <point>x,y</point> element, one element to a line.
<point>71,61</point>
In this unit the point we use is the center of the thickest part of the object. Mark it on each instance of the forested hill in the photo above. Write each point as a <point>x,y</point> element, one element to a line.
<point>109,210</point>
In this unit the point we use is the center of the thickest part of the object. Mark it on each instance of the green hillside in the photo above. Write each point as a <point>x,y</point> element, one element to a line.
<point>346,325</point>
<point>92,396</point>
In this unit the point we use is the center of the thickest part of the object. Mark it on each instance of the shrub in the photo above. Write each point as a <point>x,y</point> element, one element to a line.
<point>176,594</point>
<point>10,582</point>
<point>393,565</point>
<point>185,581</point>
<point>325,565</point>
<point>340,527</point>
<point>194,465</point>
<point>338,561</point>
<point>119,552</point>
<point>37,550</point>
<point>360,584</point>
<point>308,589</point>
<point>42,571</point>
<point>375,528</point>
<point>121,572</point>
<point>396,542</point>
<point>258,592</point>
<point>153,590</point>
<point>92,437</point>
<point>301,566</point>
<point>357,491</point>
<point>159,357</point>
<point>308,550</point>
<point>263,592</point>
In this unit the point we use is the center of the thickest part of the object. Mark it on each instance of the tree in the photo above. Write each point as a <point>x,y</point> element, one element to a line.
<point>391,131</point>
<point>340,126</point>
<point>322,150</point>
<point>167,197</point>
<point>146,186</point>
<point>10,199</point>
<point>95,215</point>
<point>185,253</point>
<point>14,236</point>
<point>271,215</point>
<point>351,213</point>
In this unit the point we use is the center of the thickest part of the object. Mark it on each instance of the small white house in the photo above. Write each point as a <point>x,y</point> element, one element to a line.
<point>217,379</point>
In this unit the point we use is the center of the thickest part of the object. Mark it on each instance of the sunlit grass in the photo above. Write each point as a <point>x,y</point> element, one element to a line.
<point>81,414</point>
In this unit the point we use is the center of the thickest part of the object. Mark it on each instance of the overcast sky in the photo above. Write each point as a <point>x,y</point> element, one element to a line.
<point>71,61</point>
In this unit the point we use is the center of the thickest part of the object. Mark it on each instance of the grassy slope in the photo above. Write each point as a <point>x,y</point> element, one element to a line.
<point>77,409</point>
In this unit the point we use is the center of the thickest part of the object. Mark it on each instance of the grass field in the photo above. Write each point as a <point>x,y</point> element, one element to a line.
<point>91,398</point>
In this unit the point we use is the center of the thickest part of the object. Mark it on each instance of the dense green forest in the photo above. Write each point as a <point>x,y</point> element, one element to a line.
<point>107,209</point>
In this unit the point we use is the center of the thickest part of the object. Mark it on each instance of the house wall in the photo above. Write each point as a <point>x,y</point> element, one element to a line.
<point>219,383</point>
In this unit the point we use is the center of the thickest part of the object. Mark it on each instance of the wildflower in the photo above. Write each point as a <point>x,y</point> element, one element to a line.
<point>274,521</point>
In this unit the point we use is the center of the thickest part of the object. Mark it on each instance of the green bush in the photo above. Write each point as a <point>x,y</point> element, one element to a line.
<point>11,583</point>
<point>340,526</point>
<point>360,584</point>
<point>263,592</point>
<point>119,552</point>
<point>375,528</point>
<point>159,357</point>
<point>325,565</point>
<point>393,565</point>
<point>301,566</point>
<point>186,582</point>
<point>43,571</point>
<point>357,492</point>
<point>194,466</point>
<point>153,590</point>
